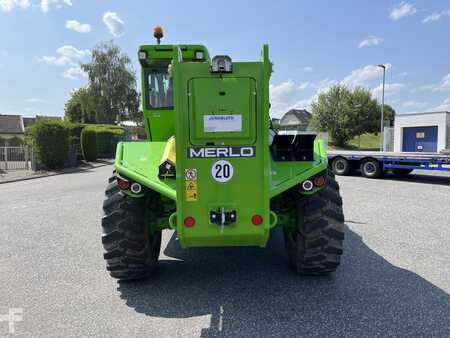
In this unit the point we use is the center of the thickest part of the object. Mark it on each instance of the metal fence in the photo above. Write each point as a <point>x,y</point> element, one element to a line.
<point>388,139</point>
<point>15,158</point>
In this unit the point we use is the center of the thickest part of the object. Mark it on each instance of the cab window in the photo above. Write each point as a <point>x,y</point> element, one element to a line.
<point>159,89</point>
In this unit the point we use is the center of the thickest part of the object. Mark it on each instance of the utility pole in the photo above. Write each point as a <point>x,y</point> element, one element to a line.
<point>382,108</point>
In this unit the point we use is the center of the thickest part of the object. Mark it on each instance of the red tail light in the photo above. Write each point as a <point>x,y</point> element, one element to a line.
<point>123,184</point>
<point>319,181</point>
<point>189,222</point>
<point>257,220</point>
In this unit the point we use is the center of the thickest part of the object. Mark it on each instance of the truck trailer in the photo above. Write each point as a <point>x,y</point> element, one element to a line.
<point>372,164</point>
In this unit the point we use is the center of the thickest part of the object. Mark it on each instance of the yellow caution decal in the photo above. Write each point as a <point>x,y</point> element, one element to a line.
<point>191,191</point>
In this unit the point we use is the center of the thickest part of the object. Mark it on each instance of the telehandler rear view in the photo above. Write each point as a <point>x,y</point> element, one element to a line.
<point>214,171</point>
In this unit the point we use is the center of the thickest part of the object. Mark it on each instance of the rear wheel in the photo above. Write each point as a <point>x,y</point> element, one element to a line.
<point>340,166</point>
<point>370,168</point>
<point>315,245</point>
<point>131,252</point>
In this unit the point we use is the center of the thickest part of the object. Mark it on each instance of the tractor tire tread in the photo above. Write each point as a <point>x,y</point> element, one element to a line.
<point>129,252</point>
<point>321,232</point>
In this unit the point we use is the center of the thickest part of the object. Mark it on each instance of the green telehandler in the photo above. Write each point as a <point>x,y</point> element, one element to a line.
<point>214,171</point>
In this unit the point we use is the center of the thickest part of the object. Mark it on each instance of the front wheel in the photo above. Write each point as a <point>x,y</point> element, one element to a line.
<point>315,243</point>
<point>131,252</point>
<point>340,166</point>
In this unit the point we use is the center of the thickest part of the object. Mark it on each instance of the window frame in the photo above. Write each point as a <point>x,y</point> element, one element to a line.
<point>147,72</point>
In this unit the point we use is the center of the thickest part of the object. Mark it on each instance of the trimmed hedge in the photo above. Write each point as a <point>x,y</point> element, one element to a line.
<point>89,143</point>
<point>51,139</point>
<point>75,129</point>
<point>107,139</point>
<point>100,140</point>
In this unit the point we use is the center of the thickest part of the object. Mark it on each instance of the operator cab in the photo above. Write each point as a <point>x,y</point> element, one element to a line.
<point>157,84</point>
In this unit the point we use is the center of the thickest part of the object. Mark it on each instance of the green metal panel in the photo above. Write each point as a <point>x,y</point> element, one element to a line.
<point>139,161</point>
<point>218,96</point>
<point>285,175</point>
<point>248,191</point>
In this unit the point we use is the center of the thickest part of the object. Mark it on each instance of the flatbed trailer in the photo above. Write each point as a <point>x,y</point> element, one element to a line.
<point>373,164</point>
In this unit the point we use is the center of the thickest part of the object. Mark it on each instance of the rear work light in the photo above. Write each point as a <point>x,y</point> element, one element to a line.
<point>136,188</point>
<point>189,222</point>
<point>142,55</point>
<point>257,220</point>
<point>307,185</point>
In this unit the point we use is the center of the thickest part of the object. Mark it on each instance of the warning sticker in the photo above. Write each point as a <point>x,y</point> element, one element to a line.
<point>190,174</point>
<point>191,191</point>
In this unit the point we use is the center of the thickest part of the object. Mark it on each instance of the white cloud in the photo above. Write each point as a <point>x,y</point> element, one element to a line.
<point>9,5</point>
<point>35,100</point>
<point>389,89</point>
<point>308,69</point>
<point>284,95</point>
<point>56,60</point>
<point>370,41</point>
<point>114,23</point>
<point>444,85</point>
<point>290,95</point>
<point>66,55</point>
<point>47,5</point>
<point>323,85</point>
<point>445,105</point>
<point>414,104</point>
<point>402,10</point>
<point>72,52</point>
<point>432,17</point>
<point>74,73</point>
<point>436,16</point>
<point>362,76</point>
<point>423,88</point>
<point>78,26</point>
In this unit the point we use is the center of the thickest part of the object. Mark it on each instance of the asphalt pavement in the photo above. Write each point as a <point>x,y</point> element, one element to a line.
<point>394,279</point>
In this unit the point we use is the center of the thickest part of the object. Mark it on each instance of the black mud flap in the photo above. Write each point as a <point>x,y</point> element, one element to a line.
<point>298,147</point>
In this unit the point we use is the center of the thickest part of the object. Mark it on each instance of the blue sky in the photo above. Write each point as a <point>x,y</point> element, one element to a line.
<point>313,45</point>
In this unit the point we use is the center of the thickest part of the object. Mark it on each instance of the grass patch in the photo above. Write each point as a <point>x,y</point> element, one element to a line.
<point>363,142</point>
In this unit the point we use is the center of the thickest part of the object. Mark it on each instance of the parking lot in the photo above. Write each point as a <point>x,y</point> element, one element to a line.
<point>394,279</point>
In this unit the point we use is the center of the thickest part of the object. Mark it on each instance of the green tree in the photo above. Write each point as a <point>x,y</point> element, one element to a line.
<point>366,112</point>
<point>345,113</point>
<point>389,115</point>
<point>72,109</point>
<point>112,84</point>
<point>333,113</point>
<point>80,108</point>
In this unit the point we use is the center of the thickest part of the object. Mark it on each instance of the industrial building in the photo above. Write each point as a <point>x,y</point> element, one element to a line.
<point>422,132</point>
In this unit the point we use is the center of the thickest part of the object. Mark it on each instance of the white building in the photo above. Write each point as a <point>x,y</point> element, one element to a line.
<point>422,132</point>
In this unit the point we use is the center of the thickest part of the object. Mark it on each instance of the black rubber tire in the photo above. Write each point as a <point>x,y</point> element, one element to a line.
<point>130,251</point>
<point>316,246</point>
<point>401,172</point>
<point>341,166</point>
<point>370,168</point>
